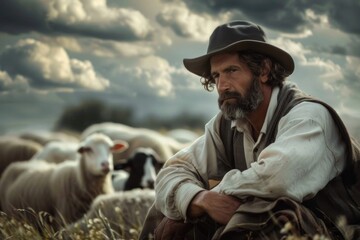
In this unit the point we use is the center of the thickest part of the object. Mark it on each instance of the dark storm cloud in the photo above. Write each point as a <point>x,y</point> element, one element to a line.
<point>354,47</point>
<point>351,48</point>
<point>289,16</point>
<point>345,15</point>
<point>81,19</point>
<point>351,79</point>
<point>276,14</point>
<point>341,50</point>
<point>334,49</point>
<point>17,17</point>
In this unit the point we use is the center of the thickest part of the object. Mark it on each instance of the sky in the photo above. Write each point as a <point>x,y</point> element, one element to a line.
<point>57,53</point>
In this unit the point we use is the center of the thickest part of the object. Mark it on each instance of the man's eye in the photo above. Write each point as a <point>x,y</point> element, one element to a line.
<point>231,70</point>
<point>214,77</point>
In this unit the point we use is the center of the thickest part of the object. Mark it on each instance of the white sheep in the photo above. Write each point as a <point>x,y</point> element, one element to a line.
<point>120,215</point>
<point>63,190</point>
<point>119,178</point>
<point>14,149</point>
<point>183,135</point>
<point>57,152</point>
<point>163,145</point>
<point>44,136</point>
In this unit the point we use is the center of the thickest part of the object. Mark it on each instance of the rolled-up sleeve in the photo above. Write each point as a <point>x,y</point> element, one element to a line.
<point>187,173</point>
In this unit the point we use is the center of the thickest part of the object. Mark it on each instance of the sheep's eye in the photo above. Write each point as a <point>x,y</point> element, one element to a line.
<point>85,150</point>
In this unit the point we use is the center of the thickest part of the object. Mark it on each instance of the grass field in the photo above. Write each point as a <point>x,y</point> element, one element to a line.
<point>99,228</point>
<point>41,228</point>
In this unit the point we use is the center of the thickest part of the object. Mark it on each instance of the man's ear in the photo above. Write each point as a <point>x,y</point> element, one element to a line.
<point>265,71</point>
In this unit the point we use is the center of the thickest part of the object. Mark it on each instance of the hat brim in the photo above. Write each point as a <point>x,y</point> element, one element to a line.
<point>200,65</point>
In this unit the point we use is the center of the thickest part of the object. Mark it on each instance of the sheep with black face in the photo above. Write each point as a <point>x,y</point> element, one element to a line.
<point>141,170</point>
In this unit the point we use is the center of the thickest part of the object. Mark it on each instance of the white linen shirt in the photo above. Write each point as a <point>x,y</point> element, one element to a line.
<point>307,153</point>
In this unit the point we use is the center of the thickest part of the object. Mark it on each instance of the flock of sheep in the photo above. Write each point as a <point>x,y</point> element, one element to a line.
<point>107,171</point>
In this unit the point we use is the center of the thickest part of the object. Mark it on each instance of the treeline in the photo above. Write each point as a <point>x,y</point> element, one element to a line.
<point>78,117</point>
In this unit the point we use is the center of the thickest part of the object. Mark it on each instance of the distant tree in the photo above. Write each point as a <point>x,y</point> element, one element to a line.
<point>77,118</point>
<point>182,120</point>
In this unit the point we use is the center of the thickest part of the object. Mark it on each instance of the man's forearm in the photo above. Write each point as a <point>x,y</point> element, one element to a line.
<point>218,206</point>
<point>196,208</point>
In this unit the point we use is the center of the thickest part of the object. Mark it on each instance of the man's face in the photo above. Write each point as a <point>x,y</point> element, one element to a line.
<point>239,90</point>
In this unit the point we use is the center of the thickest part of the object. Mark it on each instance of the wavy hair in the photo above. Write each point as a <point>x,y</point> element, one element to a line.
<point>255,62</point>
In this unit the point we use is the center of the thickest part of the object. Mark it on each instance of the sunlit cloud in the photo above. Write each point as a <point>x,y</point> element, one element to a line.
<point>187,24</point>
<point>10,84</point>
<point>47,66</point>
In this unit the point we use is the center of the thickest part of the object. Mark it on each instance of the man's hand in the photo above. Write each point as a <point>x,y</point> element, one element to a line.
<point>171,230</point>
<point>218,206</point>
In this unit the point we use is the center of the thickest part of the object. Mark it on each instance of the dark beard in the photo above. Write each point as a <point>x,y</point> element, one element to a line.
<point>243,105</point>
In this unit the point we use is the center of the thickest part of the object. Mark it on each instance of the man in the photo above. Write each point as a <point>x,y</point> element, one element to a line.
<point>283,161</point>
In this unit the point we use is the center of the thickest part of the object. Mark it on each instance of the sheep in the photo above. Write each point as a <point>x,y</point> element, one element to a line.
<point>163,145</point>
<point>14,149</point>
<point>183,135</point>
<point>119,215</point>
<point>43,137</point>
<point>142,173</point>
<point>141,167</point>
<point>64,190</point>
<point>57,152</point>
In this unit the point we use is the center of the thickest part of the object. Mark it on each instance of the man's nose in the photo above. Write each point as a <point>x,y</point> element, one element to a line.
<point>222,83</point>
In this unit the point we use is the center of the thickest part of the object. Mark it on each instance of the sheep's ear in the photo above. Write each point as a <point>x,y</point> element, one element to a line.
<point>119,146</point>
<point>83,149</point>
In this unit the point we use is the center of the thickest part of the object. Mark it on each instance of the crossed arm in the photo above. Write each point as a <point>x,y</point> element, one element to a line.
<point>217,206</point>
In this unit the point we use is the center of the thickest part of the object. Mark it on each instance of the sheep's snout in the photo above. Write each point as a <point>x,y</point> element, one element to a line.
<point>105,166</point>
<point>150,183</point>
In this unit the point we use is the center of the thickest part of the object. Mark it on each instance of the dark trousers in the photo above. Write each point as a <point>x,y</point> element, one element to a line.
<point>203,229</point>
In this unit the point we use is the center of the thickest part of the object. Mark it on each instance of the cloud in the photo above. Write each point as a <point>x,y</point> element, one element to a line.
<point>354,47</point>
<point>187,24</point>
<point>91,18</point>
<point>343,15</point>
<point>352,76</point>
<point>290,16</point>
<point>274,14</point>
<point>9,84</point>
<point>150,75</point>
<point>326,75</point>
<point>293,19</point>
<point>156,72</point>
<point>47,67</point>
<point>103,48</point>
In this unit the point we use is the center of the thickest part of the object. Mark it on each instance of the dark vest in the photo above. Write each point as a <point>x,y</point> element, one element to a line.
<point>342,194</point>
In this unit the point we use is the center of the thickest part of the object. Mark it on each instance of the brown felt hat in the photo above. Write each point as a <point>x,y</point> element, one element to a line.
<point>238,36</point>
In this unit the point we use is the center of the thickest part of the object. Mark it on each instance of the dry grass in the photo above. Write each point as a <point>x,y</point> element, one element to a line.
<point>89,229</point>
<point>98,228</point>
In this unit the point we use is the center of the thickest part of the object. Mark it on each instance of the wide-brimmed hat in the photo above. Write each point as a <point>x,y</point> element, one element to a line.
<point>238,36</point>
